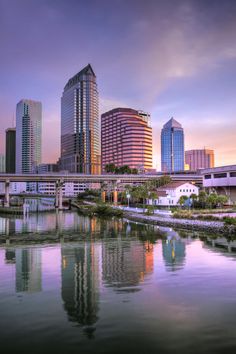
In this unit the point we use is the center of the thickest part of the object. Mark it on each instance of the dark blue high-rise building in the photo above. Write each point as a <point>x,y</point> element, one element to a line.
<point>172,147</point>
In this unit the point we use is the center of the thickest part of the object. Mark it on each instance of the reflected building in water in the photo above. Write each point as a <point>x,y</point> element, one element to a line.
<point>80,283</point>
<point>28,270</point>
<point>173,251</point>
<point>125,265</point>
<point>10,256</point>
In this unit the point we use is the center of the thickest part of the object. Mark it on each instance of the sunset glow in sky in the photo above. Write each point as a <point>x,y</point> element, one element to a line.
<point>168,57</point>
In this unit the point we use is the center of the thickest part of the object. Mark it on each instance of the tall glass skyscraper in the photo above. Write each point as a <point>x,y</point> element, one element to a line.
<point>80,141</point>
<point>28,135</point>
<point>172,147</point>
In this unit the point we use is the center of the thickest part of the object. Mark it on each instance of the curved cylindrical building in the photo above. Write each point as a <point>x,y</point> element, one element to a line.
<point>126,138</point>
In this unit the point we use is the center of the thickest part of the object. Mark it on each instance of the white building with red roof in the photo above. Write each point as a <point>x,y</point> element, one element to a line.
<point>170,194</point>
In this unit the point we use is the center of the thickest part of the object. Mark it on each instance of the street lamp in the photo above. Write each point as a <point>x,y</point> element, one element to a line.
<point>128,196</point>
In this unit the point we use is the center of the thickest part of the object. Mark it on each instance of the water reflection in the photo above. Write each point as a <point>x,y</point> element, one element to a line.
<point>28,270</point>
<point>80,284</point>
<point>10,256</point>
<point>125,265</point>
<point>116,284</point>
<point>173,250</point>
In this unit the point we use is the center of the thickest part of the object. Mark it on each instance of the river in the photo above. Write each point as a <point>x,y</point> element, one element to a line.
<point>122,287</point>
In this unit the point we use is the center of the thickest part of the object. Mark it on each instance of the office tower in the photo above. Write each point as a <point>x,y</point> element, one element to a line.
<point>80,140</point>
<point>199,158</point>
<point>126,138</point>
<point>172,147</point>
<point>47,168</point>
<point>28,135</point>
<point>11,150</point>
<point>2,163</point>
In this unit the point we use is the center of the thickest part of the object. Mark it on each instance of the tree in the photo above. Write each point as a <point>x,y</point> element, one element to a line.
<point>222,199</point>
<point>163,180</point>
<point>194,198</point>
<point>110,168</point>
<point>152,195</point>
<point>212,200</point>
<point>202,198</point>
<point>182,200</point>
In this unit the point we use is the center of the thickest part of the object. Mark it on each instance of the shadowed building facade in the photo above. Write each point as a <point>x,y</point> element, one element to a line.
<point>80,140</point>
<point>172,147</point>
<point>11,150</point>
<point>126,138</point>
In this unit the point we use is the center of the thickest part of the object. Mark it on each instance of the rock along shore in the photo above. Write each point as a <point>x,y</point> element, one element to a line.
<point>203,225</point>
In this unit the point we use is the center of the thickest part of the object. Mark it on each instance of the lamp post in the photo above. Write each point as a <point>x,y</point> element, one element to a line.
<point>128,197</point>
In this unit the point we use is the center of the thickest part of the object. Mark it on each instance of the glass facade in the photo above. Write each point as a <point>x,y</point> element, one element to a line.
<point>28,135</point>
<point>172,147</point>
<point>80,141</point>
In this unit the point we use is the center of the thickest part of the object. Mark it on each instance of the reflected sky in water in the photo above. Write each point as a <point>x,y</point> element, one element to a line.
<point>125,287</point>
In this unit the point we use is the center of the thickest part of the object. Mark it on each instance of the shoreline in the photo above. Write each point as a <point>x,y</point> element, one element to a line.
<point>198,225</point>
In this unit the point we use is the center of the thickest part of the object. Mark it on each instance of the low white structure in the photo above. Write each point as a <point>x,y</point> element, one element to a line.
<point>15,187</point>
<point>69,189</point>
<point>170,194</point>
<point>221,180</point>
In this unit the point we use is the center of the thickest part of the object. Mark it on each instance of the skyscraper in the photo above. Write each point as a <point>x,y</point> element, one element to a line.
<point>11,150</point>
<point>28,135</point>
<point>2,163</point>
<point>126,138</point>
<point>172,147</point>
<point>80,140</point>
<point>199,158</point>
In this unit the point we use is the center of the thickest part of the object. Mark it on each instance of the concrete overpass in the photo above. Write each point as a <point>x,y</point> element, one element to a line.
<point>60,178</point>
<point>221,179</point>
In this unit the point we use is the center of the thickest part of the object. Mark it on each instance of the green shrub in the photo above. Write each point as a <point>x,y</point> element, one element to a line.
<point>183,214</point>
<point>229,221</point>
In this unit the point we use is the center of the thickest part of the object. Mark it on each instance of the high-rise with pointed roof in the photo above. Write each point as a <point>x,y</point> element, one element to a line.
<point>28,135</point>
<point>172,147</point>
<point>80,139</point>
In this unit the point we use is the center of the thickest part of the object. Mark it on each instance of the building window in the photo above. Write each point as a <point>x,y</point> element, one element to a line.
<point>232,174</point>
<point>207,177</point>
<point>220,175</point>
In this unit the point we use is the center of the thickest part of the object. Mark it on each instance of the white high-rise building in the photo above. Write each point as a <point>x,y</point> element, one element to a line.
<point>28,135</point>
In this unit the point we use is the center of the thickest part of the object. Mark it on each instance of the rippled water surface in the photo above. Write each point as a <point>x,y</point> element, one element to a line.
<point>123,288</point>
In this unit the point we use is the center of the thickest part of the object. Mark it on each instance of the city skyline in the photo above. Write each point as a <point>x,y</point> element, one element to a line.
<point>193,79</point>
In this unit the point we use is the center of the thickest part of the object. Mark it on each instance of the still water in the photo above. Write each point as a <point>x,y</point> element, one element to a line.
<point>123,288</point>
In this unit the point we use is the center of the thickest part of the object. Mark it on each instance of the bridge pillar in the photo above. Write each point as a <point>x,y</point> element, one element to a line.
<point>7,194</point>
<point>115,194</point>
<point>103,196</point>
<point>58,201</point>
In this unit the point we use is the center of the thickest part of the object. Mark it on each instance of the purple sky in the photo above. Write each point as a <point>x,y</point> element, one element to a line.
<point>170,58</point>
